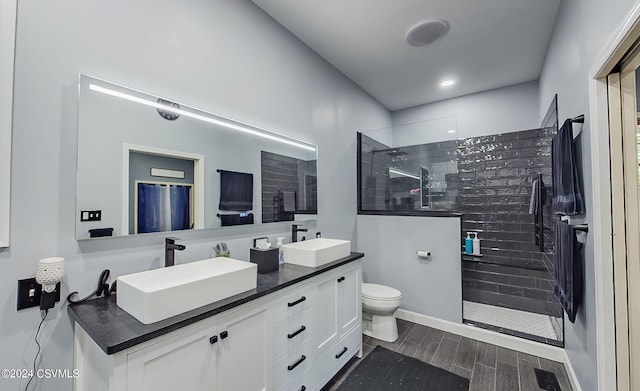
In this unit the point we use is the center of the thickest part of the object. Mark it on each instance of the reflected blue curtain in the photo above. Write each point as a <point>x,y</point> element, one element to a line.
<point>162,208</point>
<point>180,216</point>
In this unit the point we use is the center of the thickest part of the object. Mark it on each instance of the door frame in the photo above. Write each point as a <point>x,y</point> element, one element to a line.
<point>198,181</point>
<point>8,14</point>
<point>601,228</point>
<point>626,218</point>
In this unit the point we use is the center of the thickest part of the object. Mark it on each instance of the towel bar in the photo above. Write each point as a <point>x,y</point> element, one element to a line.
<point>578,119</point>
<point>581,227</point>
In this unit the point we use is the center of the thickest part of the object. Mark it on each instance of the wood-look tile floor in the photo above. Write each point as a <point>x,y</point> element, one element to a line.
<point>488,367</point>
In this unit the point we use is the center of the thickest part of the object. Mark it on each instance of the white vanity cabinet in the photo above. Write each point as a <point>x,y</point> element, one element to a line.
<point>185,362</point>
<point>217,358</point>
<point>339,305</point>
<point>332,301</point>
<point>214,354</point>
<point>294,339</point>
<point>245,349</point>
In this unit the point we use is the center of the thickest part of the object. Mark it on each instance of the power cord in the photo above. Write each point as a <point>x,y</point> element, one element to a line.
<point>35,359</point>
<point>102,289</point>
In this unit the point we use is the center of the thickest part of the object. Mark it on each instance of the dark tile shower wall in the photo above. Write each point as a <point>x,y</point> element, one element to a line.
<point>492,189</point>
<point>496,173</point>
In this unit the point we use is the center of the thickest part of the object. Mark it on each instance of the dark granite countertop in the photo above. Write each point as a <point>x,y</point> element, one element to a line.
<point>113,329</point>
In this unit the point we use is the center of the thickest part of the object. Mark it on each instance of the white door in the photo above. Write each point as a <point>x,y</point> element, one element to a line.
<point>246,353</point>
<point>185,362</point>
<point>625,185</point>
<point>326,314</point>
<point>349,312</point>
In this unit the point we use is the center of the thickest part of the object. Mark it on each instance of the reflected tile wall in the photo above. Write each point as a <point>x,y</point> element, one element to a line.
<point>279,173</point>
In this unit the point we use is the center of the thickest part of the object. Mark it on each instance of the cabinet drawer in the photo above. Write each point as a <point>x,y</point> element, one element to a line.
<point>294,331</point>
<point>294,301</point>
<point>305,382</point>
<point>294,364</point>
<point>347,347</point>
<point>331,361</point>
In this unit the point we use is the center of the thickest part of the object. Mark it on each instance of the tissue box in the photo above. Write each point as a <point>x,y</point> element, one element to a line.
<point>267,260</point>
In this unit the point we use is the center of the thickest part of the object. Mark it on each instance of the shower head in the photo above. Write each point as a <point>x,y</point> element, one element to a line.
<point>396,153</point>
<point>393,152</point>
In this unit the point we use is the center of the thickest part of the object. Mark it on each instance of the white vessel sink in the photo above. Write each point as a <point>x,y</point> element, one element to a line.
<point>316,252</point>
<point>159,294</point>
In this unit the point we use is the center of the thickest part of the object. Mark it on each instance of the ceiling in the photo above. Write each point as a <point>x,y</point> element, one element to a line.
<point>490,44</point>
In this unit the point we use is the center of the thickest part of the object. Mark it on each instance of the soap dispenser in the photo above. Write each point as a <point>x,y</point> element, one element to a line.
<point>279,244</point>
<point>468,244</point>
<point>476,244</point>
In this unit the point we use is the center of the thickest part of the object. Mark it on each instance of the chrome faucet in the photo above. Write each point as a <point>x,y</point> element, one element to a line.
<point>169,251</point>
<point>294,232</point>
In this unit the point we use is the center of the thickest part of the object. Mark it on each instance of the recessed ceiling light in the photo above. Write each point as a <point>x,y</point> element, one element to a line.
<point>427,31</point>
<point>447,83</point>
<point>451,131</point>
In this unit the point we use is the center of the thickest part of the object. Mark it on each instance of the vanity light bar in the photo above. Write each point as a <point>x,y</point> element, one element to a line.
<point>175,110</point>
<point>394,171</point>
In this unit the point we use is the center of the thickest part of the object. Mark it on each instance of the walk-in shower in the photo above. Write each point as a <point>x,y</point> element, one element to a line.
<point>487,180</point>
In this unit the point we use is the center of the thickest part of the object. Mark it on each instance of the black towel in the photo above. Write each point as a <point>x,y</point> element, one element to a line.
<point>236,191</point>
<point>568,269</point>
<point>567,198</point>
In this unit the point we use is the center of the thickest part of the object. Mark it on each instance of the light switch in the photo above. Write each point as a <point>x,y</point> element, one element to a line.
<point>91,215</point>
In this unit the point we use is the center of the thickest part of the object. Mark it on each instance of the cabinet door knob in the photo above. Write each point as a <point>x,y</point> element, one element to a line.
<point>344,350</point>
<point>295,364</point>
<point>292,335</point>
<point>224,335</point>
<point>213,339</point>
<point>300,300</point>
<point>303,388</point>
<point>341,279</point>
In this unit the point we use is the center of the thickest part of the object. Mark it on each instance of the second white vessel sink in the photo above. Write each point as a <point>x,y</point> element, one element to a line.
<point>316,252</point>
<point>158,294</point>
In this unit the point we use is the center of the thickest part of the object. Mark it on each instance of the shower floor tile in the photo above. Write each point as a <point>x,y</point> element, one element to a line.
<point>522,321</point>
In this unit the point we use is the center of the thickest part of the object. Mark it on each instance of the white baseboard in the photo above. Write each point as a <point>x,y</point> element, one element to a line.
<point>507,341</point>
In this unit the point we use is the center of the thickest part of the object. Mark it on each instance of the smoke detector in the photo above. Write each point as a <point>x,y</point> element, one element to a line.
<point>427,31</point>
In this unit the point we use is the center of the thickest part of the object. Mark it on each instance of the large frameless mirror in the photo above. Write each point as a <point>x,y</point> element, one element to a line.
<point>149,164</point>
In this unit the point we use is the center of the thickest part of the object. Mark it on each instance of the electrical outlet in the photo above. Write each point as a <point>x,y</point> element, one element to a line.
<point>91,215</point>
<point>29,293</point>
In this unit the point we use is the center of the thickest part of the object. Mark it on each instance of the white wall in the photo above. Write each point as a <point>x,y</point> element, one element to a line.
<point>582,29</point>
<point>223,54</point>
<point>502,110</point>
<point>429,286</point>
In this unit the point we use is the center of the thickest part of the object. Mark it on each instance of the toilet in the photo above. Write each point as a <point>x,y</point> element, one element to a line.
<point>379,304</point>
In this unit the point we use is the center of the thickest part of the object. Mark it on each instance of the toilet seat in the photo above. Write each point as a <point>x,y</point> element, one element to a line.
<point>380,292</point>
